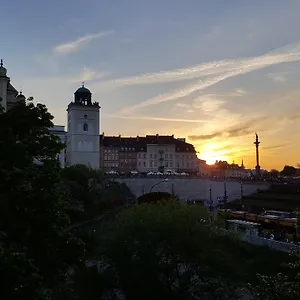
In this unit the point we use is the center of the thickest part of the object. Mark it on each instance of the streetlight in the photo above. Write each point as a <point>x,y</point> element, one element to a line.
<point>157,183</point>
<point>242,193</point>
<point>225,192</point>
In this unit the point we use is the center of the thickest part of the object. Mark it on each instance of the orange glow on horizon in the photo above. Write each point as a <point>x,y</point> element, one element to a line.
<point>211,157</point>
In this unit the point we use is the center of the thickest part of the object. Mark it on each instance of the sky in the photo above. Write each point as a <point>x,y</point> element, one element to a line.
<point>212,71</point>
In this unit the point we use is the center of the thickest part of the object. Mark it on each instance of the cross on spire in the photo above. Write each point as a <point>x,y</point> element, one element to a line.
<point>1,63</point>
<point>82,83</point>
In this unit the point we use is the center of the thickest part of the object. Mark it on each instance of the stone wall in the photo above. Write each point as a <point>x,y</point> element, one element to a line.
<point>192,188</point>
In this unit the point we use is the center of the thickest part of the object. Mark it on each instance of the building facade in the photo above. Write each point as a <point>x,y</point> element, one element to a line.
<point>9,96</point>
<point>151,153</point>
<point>83,137</point>
<point>61,133</point>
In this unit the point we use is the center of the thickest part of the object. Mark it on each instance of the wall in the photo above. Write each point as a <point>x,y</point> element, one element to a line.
<point>192,188</point>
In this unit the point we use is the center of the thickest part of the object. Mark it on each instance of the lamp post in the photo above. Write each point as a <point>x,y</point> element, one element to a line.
<point>225,192</point>
<point>210,203</point>
<point>242,193</point>
<point>157,183</point>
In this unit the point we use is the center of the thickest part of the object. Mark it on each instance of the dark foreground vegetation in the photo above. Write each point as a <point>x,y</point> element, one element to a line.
<point>54,223</point>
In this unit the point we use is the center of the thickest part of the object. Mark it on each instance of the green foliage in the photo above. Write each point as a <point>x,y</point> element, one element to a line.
<point>288,171</point>
<point>92,190</point>
<point>156,197</point>
<point>35,250</point>
<point>168,251</point>
<point>283,286</point>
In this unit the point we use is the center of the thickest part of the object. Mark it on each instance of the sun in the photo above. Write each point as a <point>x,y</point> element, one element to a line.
<point>211,157</point>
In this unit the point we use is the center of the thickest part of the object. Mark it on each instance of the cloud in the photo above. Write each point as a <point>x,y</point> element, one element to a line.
<point>274,147</point>
<point>80,42</point>
<point>220,70</point>
<point>231,132</point>
<point>146,118</point>
<point>88,74</point>
<point>278,77</point>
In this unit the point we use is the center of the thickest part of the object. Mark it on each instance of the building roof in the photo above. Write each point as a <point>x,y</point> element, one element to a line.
<point>83,90</point>
<point>140,143</point>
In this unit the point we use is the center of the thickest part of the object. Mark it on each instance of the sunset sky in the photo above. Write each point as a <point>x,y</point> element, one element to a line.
<point>212,71</point>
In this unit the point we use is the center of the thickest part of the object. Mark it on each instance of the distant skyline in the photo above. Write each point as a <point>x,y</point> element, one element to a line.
<point>212,71</point>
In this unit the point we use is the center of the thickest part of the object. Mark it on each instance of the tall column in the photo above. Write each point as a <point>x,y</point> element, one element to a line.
<point>257,167</point>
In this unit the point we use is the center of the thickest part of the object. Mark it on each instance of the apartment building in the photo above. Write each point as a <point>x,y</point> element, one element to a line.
<point>150,153</point>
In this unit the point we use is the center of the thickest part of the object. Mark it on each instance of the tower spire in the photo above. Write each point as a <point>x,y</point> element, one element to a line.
<point>1,63</point>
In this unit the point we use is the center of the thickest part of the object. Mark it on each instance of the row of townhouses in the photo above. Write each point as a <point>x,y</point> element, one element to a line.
<point>150,153</point>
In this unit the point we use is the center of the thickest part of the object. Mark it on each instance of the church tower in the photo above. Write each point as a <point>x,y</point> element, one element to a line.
<point>83,145</point>
<point>4,81</point>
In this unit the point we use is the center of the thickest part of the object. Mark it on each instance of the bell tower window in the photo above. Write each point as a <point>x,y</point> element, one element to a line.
<point>85,127</point>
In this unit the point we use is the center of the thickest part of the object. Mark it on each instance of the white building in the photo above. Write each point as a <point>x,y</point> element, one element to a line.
<point>9,96</point>
<point>83,137</point>
<point>60,132</point>
<point>161,157</point>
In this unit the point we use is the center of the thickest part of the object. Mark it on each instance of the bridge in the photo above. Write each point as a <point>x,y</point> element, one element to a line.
<point>193,188</point>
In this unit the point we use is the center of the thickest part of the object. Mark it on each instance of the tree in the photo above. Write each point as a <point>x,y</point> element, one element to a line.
<point>169,251</point>
<point>156,197</point>
<point>288,171</point>
<point>282,286</point>
<point>35,250</point>
<point>274,173</point>
<point>91,190</point>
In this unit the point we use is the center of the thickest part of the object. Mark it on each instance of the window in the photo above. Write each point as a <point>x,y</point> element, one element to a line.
<point>85,116</point>
<point>85,127</point>
<point>171,164</point>
<point>150,155</point>
<point>139,163</point>
<point>151,164</point>
<point>144,155</point>
<point>144,164</point>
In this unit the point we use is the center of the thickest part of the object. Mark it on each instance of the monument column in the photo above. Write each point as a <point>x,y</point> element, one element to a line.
<point>257,167</point>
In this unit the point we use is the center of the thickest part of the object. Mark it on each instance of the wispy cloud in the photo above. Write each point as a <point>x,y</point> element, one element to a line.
<point>88,74</point>
<point>80,42</point>
<point>218,71</point>
<point>147,118</point>
<point>275,146</point>
<point>278,77</point>
<point>234,131</point>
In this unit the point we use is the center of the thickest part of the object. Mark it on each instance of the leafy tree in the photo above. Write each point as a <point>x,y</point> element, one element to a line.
<point>156,197</point>
<point>91,190</point>
<point>282,286</point>
<point>35,250</point>
<point>274,173</point>
<point>288,171</point>
<point>167,251</point>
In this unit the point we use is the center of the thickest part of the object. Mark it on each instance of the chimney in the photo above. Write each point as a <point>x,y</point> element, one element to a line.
<point>103,135</point>
<point>173,136</point>
<point>137,138</point>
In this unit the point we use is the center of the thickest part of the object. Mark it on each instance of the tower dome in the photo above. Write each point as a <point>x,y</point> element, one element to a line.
<point>83,90</point>
<point>3,71</point>
<point>83,96</point>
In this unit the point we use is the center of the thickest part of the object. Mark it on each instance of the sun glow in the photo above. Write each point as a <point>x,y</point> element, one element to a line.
<point>211,154</point>
<point>209,157</point>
